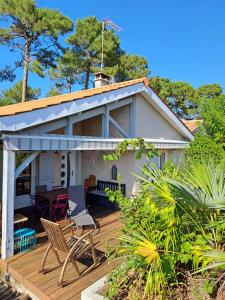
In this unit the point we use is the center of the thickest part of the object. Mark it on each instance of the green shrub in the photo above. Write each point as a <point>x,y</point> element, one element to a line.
<point>169,232</point>
<point>204,148</point>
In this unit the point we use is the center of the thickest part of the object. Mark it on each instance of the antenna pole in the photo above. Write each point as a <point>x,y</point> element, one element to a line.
<point>103,28</point>
<point>112,25</point>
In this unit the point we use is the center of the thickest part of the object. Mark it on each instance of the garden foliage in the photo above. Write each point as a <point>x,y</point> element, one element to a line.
<point>172,234</point>
<point>204,147</point>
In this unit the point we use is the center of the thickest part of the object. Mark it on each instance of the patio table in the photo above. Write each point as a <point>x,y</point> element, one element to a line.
<point>50,196</point>
<point>20,219</point>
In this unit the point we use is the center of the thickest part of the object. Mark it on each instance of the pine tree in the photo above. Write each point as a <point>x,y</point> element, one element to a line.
<point>67,72</point>
<point>86,43</point>
<point>13,94</point>
<point>34,33</point>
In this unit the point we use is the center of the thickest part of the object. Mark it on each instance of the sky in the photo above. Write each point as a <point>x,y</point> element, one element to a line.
<point>183,40</point>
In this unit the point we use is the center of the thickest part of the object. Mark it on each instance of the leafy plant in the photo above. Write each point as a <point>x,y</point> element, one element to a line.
<point>205,147</point>
<point>139,146</point>
<point>173,228</point>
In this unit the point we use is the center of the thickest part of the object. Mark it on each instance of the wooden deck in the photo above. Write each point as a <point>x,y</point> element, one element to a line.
<point>24,267</point>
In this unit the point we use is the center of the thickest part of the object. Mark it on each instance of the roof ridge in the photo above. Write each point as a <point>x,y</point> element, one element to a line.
<point>79,92</point>
<point>54,100</point>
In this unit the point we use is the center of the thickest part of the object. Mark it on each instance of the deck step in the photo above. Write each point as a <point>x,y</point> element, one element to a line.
<point>8,293</point>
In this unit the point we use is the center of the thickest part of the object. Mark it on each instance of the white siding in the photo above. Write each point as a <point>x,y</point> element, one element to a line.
<point>49,169</point>
<point>151,124</point>
<point>121,116</point>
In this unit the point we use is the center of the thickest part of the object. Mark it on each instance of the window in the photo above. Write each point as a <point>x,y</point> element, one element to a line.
<point>23,181</point>
<point>162,159</point>
<point>114,173</point>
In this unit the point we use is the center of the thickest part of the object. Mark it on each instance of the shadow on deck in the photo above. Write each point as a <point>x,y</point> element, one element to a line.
<point>24,267</point>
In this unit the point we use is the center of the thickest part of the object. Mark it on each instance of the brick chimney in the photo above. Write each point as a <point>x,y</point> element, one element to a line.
<point>101,79</point>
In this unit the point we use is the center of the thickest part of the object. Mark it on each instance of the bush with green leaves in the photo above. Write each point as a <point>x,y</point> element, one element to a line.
<point>205,148</point>
<point>172,233</point>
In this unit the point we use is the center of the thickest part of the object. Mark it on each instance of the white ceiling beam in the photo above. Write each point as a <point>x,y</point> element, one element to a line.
<point>120,103</point>
<point>26,163</point>
<point>118,127</point>
<point>48,127</point>
<point>87,115</point>
<point>61,142</point>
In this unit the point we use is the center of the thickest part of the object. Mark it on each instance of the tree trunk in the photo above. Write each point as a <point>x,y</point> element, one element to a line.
<point>87,78</point>
<point>25,71</point>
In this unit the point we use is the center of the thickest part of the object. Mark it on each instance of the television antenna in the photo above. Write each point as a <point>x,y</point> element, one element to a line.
<point>110,23</point>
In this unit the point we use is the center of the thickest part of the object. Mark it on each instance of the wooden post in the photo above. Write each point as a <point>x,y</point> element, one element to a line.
<point>8,196</point>
<point>106,123</point>
<point>69,127</point>
<point>132,118</point>
<point>33,176</point>
<point>103,125</point>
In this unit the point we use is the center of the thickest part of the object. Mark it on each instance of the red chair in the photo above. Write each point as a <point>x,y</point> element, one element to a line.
<point>60,205</point>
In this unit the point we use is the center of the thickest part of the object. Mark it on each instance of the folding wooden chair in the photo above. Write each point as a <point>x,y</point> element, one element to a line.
<point>60,205</point>
<point>78,211</point>
<point>40,207</point>
<point>74,248</point>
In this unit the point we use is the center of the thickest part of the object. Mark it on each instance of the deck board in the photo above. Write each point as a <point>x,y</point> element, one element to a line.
<point>24,267</point>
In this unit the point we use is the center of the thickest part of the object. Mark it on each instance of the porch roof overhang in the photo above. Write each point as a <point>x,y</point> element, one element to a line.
<point>37,117</point>
<point>62,112</point>
<point>48,142</point>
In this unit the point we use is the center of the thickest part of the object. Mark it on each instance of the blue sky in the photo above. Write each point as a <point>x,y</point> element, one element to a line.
<point>182,39</point>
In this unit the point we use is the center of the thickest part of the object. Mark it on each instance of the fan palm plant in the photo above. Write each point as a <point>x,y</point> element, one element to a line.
<point>177,226</point>
<point>203,183</point>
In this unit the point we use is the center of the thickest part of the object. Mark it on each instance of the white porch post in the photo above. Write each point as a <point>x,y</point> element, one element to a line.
<point>103,126</point>
<point>106,122</point>
<point>132,118</point>
<point>8,196</point>
<point>72,157</point>
<point>33,176</point>
<point>69,127</point>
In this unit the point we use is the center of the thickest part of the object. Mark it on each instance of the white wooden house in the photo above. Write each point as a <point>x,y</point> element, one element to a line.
<point>76,129</point>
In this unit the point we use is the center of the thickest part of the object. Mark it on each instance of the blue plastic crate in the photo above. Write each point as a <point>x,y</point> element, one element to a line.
<point>24,239</point>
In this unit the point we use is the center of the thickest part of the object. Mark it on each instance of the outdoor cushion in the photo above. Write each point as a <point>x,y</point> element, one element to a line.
<point>98,192</point>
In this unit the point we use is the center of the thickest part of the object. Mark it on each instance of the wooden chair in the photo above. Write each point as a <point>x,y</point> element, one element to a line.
<point>60,205</point>
<point>78,211</point>
<point>39,207</point>
<point>73,247</point>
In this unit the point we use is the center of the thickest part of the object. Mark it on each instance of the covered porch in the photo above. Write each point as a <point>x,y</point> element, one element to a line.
<point>48,161</point>
<point>69,151</point>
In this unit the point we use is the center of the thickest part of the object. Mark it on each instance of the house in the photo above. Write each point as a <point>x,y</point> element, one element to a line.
<point>63,139</point>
